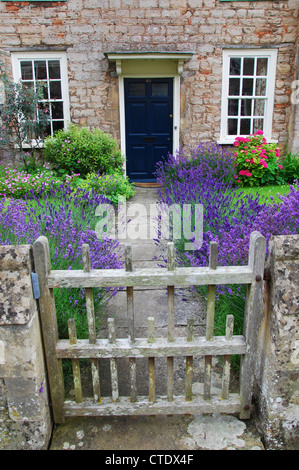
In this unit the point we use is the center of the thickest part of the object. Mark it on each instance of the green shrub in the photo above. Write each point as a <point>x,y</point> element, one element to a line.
<point>81,150</point>
<point>112,186</point>
<point>290,167</point>
<point>257,161</point>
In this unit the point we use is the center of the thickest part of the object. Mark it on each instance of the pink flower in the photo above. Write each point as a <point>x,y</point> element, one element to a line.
<point>260,132</point>
<point>280,166</point>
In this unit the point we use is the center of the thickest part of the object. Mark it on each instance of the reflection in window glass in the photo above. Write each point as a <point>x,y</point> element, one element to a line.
<point>233,107</point>
<point>246,107</point>
<point>40,69</point>
<point>235,66</point>
<point>258,124</point>
<point>248,66</point>
<point>262,65</point>
<point>54,69</point>
<point>160,89</point>
<point>232,126</point>
<point>259,107</point>
<point>234,87</point>
<point>260,87</point>
<point>247,87</point>
<point>245,126</point>
<point>137,89</point>
<point>26,71</point>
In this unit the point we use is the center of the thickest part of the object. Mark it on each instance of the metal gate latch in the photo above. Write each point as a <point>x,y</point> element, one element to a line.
<point>35,285</point>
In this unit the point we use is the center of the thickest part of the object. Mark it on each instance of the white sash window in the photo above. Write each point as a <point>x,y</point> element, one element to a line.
<point>48,69</point>
<point>247,93</point>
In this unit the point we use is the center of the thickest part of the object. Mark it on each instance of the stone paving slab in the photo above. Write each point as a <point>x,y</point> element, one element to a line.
<point>157,433</point>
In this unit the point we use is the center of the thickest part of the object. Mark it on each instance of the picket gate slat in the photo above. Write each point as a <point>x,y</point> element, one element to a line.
<point>151,347</point>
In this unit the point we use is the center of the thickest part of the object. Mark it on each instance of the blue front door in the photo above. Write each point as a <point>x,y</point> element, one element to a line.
<point>149,123</point>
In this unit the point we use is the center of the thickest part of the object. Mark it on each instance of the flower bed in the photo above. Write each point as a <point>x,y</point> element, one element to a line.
<point>67,217</point>
<point>204,176</point>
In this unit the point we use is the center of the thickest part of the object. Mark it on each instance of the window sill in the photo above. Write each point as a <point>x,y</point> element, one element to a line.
<point>231,141</point>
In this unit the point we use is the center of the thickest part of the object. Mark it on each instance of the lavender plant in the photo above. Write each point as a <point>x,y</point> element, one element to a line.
<point>203,176</point>
<point>67,218</point>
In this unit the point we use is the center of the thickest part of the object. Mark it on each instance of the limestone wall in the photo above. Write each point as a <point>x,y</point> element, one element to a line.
<point>277,362</point>
<point>25,422</point>
<point>87,29</point>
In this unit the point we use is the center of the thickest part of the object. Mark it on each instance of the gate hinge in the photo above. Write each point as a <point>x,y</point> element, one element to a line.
<point>35,285</point>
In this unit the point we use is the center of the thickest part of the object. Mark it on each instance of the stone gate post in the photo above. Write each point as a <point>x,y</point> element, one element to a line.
<point>25,421</point>
<point>277,364</point>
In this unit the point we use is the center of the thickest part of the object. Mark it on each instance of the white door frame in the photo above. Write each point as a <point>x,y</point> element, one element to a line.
<point>151,65</point>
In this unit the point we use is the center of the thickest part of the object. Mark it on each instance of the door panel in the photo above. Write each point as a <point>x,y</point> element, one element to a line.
<point>148,114</point>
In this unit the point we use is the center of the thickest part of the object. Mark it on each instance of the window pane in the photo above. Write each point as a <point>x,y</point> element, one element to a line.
<point>235,66</point>
<point>246,107</point>
<point>234,87</point>
<point>247,88</point>
<point>259,107</point>
<point>248,68</point>
<point>232,126</point>
<point>40,68</point>
<point>160,89</point>
<point>55,90</point>
<point>54,69</point>
<point>57,110</point>
<point>245,127</point>
<point>137,89</point>
<point>44,88</point>
<point>233,106</point>
<point>26,70</point>
<point>260,87</point>
<point>57,125</point>
<point>258,125</point>
<point>262,64</point>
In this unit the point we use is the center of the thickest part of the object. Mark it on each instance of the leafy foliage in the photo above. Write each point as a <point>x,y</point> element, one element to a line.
<point>112,186</point>
<point>257,161</point>
<point>81,150</point>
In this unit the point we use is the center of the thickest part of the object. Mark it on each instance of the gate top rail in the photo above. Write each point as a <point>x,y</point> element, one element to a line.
<point>151,277</point>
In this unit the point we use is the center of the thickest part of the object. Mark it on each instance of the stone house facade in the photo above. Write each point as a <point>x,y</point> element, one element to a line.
<point>160,74</point>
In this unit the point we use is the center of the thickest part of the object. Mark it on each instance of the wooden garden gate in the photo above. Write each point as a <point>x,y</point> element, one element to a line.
<point>151,347</point>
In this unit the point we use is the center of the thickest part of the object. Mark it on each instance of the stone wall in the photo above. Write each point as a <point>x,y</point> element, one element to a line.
<point>277,371</point>
<point>25,422</point>
<point>88,28</point>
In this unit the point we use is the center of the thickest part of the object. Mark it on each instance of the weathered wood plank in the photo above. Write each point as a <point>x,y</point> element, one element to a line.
<point>211,293</point>
<point>252,320</point>
<point>113,361</point>
<point>141,348</point>
<point>130,294</point>
<point>170,364</point>
<point>151,277</point>
<point>189,360</point>
<point>75,362</point>
<point>160,407</point>
<point>91,323</point>
<point>227,358</point>
<point>133,378</point>
<point>42,263</point>
<point>207,377</point>
<point>89,295</point>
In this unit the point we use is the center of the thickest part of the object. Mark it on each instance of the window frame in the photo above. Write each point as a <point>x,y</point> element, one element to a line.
<point>18,57</point>
<point>271,55</point>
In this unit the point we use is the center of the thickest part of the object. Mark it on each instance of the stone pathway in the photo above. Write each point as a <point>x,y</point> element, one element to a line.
<point>190,433</point>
